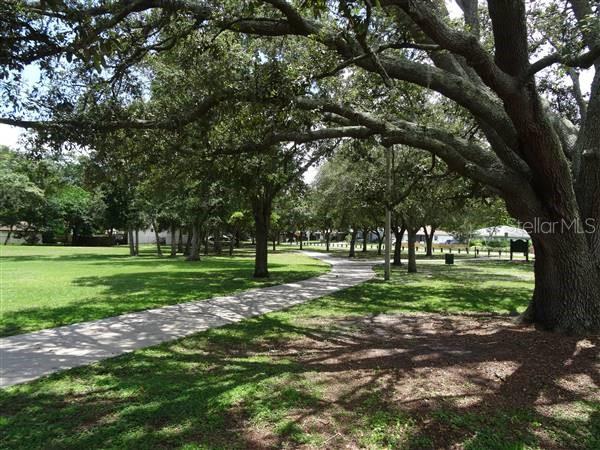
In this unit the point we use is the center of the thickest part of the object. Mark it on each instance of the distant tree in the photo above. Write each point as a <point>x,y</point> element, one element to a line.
<point>79,210</point>
<point>22,203</point>
<point>477,213</point>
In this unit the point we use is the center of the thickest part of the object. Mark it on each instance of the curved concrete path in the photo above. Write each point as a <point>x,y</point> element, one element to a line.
<point>29,356</point>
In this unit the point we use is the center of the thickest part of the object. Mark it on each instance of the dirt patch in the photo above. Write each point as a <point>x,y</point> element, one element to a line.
<point>436,381</point>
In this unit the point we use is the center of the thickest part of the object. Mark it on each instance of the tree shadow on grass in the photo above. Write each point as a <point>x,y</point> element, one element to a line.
<point>269,382</point>
<point>84,257</point>
<point>377,296</point>
<point>128,292</point>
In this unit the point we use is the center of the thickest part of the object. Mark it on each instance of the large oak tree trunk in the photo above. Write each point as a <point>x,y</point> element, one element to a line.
<point>327,240</point>
<point>262,215</point>
<point>194,253</point>
<point>352,252</point>
<point>566,296</point>
<point>429,240</point>
<point>412,255</point>
<point>365,232</point>
<point>180,241</point>
<point>157,238</point>
<point>173,241</point>
<point>8,235</point>
<point>188,241</point>
<point>399,233</point>
<point>131,241</point>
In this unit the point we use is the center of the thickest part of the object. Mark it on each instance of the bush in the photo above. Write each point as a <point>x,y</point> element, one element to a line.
<point>497,243</point>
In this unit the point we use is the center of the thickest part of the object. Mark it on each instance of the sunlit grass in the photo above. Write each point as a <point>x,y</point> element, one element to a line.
<point>48,286</point>
<point>225,388</point>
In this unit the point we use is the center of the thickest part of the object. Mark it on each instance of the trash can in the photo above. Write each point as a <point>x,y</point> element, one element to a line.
<point>449,258</point>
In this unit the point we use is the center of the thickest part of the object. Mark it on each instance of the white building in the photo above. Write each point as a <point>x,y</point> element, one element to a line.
<point>16,236</point>
<point>501,232</point>
<point>148,236</point>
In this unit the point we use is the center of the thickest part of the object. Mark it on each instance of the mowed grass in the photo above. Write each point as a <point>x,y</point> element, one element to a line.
<point>469,286</point>
<point>245,386</point>
<point>49,286</point>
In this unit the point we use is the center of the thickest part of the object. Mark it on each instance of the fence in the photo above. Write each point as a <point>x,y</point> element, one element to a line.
<point>460,249</point>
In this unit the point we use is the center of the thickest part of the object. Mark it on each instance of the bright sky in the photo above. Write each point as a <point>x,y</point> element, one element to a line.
<point>9,136</point>
<point>310,174</point>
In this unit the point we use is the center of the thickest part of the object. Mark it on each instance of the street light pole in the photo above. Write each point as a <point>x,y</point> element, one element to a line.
<point>388,213</point>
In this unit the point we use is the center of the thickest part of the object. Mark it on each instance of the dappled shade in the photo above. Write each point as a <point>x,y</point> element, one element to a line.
<point>346,369</point>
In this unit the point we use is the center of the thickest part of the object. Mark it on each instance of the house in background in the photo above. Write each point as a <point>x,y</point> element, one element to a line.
<point>501,232</point>
<point>147,236</point>
<point>440,236</point>
<point>17,236</point>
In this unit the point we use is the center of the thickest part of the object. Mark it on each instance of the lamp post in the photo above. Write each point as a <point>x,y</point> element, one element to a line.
<point>388,213</point>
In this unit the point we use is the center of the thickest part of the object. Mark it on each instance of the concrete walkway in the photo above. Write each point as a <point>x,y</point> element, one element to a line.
<point>29,356</point>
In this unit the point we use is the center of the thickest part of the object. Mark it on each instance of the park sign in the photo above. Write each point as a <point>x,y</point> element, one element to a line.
<point>519,245</point>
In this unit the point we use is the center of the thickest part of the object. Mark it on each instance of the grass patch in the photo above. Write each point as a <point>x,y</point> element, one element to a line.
<point>249,384</point>
<point>484,287</point>
<point>49,286</point>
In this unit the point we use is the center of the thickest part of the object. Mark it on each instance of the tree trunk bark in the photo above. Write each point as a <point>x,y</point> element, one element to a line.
<point>399,234</point>
<point>300,239</point>
<point>194,254</point>
<point>137,242</point>
<point>173,241</point>
<point>412,256</point>
<point>188,241</point>
<point>429,241</point>
<point>217,241</point>
<point>262,215</point>
<point>327,240</point>
<point>8,235</point>
<point>131,241</point>
<point>566,296</point>
<point>180,241</point>
<point>231,244</point>
<point>157,238</point>
<point>352,252</point>
<point>365,232</point>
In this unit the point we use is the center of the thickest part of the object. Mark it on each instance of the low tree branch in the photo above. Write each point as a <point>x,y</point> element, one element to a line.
<point>582,61</point>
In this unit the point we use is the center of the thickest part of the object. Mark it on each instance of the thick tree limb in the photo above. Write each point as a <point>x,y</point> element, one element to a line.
<point>301,137</point>
<point>201,109</point>
<point>574,75</point>
<point>460,43</point>
<point>459,153</point>
<point>481,102</point>
<point>583,61</point>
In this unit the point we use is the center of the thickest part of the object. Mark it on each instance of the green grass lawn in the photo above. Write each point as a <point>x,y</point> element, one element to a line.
<point>48,286</point>
<point>299,378</point>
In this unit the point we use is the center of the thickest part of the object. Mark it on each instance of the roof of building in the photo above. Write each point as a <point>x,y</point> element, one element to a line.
<point>437,232</point>
<point>502,231</point>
